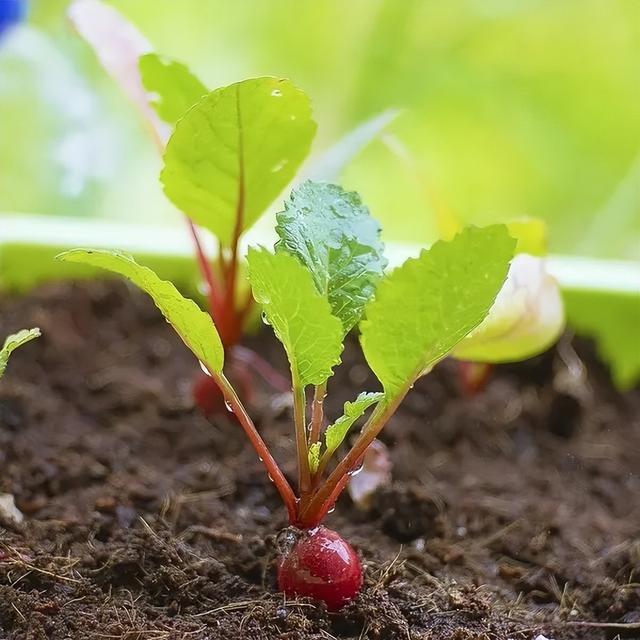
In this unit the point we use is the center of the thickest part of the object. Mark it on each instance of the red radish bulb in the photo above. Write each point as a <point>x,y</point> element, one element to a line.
<point>207,395</point>
<point>323,566</point>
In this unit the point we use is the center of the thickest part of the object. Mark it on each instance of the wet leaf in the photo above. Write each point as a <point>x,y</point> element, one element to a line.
<point>423,309</point>
<point>332,233</point>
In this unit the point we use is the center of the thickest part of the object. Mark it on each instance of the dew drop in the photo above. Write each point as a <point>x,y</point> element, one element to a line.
<point>204,368</point>
<point>279,166</point>
<point>265,319</point>
<point>331,509</point>
<point>228,406</point>
<point>276,93</point>
<point>356,471</point>
<point>269,476</point>
<point>419,544</point>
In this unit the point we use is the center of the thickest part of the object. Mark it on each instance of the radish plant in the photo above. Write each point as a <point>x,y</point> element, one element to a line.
<point>325,277</point>
<point>12,342</point>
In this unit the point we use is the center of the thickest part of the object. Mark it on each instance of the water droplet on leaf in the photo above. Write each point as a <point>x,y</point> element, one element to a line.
<point>279,166</point>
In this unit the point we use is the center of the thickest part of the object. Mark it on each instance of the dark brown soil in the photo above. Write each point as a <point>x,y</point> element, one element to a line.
<point>511,514</point>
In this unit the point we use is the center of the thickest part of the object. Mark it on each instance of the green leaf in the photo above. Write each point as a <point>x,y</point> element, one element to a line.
<point>314,457</point>
<point>172,86</point>
<point>14,341</point>
<point>332,233</point>
<point>193,325</point>
<point>425,307</point>
<point>336,433</point>
<point>234,151</point>
<point>299,315</point>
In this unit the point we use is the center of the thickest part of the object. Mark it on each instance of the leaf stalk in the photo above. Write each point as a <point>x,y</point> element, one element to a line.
<point>276,475</point>
<point>299,416</point>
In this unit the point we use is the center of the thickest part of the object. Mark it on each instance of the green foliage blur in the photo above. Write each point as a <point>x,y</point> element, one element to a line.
<point>509,108</point>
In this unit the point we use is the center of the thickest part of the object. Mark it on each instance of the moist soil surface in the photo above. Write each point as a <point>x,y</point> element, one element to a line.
<point>511,514</point>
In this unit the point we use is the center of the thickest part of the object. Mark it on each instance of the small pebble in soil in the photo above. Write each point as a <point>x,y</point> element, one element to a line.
<point>8,508</point>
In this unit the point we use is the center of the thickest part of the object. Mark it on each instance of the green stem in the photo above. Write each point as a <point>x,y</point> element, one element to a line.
<point>299,416</point>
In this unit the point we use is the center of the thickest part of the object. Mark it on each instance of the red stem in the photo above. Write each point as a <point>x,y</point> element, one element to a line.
<point>213,293</point>
<point>276,475</point>
<point>327,505</point>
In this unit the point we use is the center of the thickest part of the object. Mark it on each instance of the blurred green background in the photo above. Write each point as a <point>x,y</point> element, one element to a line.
<point>509,108</point>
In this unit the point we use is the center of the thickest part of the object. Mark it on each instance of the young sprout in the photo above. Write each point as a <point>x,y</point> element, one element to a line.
<point>12,342</point>
<point>325,277</point>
